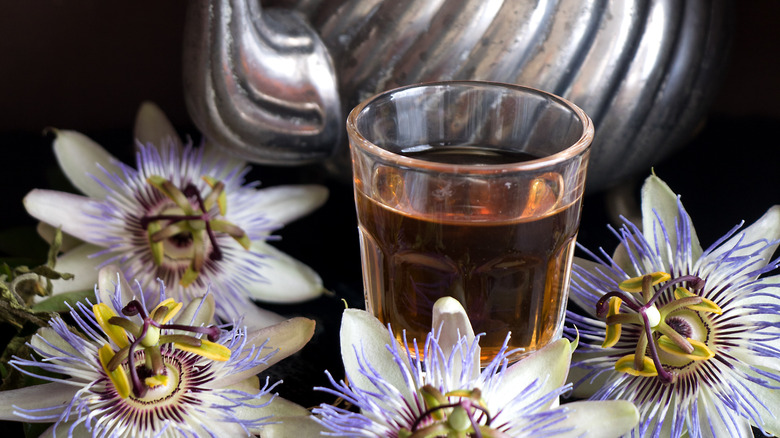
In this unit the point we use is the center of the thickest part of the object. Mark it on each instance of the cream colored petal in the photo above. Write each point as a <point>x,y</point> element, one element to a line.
<point>550,365</point>
<point>204,306</point>
<point>79,262</point>
<point>452,323</point>
<point>47,232</point>
<point>715,425</point>
<point>291,419</point>
<point>52,344</point>
<point>288,337</point>
<point>658,198</point>
<point>152,126</point>
<point>586,388</point>
<point>284,204</point>
<point>765,229</point>
<point>287,279</point>
<point>82,160</point>
<point>34,397</point>
<point>598,419</point>
<point>109,278</point>
<point>64,210</point>
<point>253,316</point>
<point>363,336</point>
<point>298,426</point>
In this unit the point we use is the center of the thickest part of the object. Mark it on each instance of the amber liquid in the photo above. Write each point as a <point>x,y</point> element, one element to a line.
<point>501,248</point>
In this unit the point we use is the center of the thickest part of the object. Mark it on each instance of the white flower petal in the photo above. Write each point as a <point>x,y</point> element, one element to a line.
<point>452,323</point>
<point>288,280</point>
<point>63,210</point>
<point>598,419</point>
<point>47,232</point>
<point>768,397</point>
<point>205,308</point>
<point>109,278</point>
<point>33,397</point>
<point>49,342</point>
<point>287,337</point>
<point>658,198</point>
<point>287,426</point>
<point>765,229</point>
<point>550,365</point>
<point>152,126</point>
<point>78,261</point>
<point>290,419</point>
<point>254,317</point>
<point>81,159</point>
<point>284,204</point>
<point>362,335</point>
<point>711,417</point>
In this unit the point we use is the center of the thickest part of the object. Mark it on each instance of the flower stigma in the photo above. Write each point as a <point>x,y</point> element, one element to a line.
<point>185,225</point>
<point>672,334</point>
<point>138,364</point>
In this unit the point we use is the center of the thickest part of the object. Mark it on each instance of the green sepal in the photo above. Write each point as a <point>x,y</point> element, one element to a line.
<point>58,303</point>
<point>171,191</point>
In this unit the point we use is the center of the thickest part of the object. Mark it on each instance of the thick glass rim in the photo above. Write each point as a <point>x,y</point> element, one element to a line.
<point>575,149</point>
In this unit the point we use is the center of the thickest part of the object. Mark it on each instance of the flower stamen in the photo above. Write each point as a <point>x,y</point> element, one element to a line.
<point>661,329</point>
<point>443,416</point>
<point>189,224</point>
<point>149,339</point>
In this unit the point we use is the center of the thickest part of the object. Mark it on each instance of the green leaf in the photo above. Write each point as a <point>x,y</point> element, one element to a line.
<point>56,303</point>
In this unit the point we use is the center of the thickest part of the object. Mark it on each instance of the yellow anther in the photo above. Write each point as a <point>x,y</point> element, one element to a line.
<point>173,309</point>
<point>635,284</point>
<point>189,277</point>
<point>158,250</point>
<point>103,313</point>
<point>157,380</point>
<point>613,332</point>
<point>207,349</point>
<point>700,349</point>
<point>218,190</point>
<point>626,365</point>
<point>118,377</point>
<point>706,304</point>
<point>171,191</point>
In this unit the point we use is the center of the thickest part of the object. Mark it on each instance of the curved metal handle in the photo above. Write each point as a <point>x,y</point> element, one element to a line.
<point>260,83</point>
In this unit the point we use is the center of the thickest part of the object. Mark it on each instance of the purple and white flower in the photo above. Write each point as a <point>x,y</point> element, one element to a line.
<point>691,335</point>
<point>446,394</point>
<point>143,364</point>
<point>184,214</point>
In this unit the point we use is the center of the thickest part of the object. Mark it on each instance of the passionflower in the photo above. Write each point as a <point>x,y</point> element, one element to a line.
<point>144,364</point>
<point>446,394</point>
<point>184,214</point>
<point>691,336</point>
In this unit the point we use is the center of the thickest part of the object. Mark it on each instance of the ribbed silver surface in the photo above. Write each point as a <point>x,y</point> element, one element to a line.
<point>644,70</point>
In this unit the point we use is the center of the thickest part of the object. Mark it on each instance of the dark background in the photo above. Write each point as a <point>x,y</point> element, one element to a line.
<point>86,65</point>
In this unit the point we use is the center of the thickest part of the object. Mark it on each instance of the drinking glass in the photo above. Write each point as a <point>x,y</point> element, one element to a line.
<point>471,190</point>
